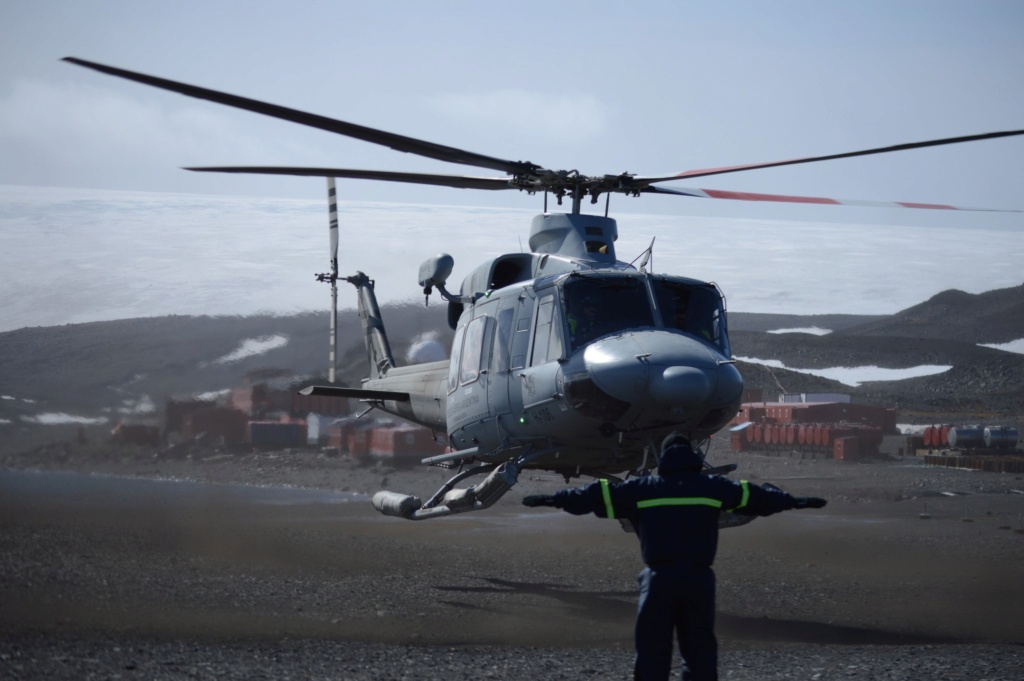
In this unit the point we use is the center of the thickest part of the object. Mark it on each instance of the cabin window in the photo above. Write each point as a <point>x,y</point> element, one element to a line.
<point>472,350</point>
<point>547,343</point>
<point>509,270</point>
<point>695,309</point>
<point>598,306</point>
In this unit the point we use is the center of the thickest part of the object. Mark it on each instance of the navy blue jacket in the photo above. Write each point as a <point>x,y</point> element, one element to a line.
<point>675,514</point>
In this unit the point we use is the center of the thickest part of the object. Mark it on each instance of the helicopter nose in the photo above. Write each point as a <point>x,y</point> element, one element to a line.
<point>680,385</point>
<point>662,369</point>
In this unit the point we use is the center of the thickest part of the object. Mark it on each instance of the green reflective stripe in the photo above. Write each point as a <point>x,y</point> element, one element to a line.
<point>606,493</point>
<point>679,501</point>
<point>746,495</point>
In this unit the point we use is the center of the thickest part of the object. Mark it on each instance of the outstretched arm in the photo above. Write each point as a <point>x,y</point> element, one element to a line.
<point>768,499</point>
<point>602,498</point>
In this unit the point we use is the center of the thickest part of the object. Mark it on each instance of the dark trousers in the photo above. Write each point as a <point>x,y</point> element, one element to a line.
<point>680,599</point>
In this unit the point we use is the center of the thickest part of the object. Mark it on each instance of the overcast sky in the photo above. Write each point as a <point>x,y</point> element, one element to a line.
<point>603,87</point>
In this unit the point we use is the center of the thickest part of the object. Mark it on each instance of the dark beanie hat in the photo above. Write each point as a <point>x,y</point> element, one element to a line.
<point>678,456</point>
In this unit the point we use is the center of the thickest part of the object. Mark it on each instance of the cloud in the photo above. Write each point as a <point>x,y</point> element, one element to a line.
<point>572,116</point>
<point>54,132</point>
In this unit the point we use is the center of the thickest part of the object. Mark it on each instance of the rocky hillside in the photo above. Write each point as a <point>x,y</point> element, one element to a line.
<point>110,369</point>
<point>990,317</point>
<point>984,384</point>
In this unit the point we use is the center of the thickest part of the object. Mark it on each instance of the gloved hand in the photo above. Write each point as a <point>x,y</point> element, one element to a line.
<point>539,500</point>
<point>810,502</point>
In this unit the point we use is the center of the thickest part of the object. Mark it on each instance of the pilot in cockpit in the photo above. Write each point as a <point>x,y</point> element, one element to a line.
<point>584,325</point>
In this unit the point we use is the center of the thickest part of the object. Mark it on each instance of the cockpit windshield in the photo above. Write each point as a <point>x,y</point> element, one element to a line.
<point>596,306</point>
<point>693,308</point>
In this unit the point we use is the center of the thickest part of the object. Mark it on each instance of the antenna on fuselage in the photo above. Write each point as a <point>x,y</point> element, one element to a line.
<point>646,255</point>
<point>332,276</point>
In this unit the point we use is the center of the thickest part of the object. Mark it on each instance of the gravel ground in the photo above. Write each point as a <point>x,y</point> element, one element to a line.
<point>222,584</point>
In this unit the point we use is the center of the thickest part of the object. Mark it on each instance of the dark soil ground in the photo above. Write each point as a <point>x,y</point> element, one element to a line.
<point>223,585</point>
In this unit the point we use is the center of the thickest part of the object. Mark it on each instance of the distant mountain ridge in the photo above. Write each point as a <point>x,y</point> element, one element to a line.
<point>947,329</point>
<point>765,321</point>
<point>990,317</point>
<point>101,369</point>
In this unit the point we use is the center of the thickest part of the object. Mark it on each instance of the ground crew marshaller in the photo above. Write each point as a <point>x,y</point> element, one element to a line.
<point>675,514</point>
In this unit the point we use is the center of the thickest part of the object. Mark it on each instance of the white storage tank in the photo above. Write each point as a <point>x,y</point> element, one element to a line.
<point>966,437</point>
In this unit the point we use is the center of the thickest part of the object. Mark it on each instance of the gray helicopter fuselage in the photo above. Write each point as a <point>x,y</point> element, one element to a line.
<point>530,369</point>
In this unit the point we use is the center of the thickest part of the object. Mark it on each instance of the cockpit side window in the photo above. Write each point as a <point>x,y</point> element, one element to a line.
<point>695,309</point>
<point>453,367</point>
<point>599,306</point>
<point>547,342</point>
<point>472,350</point>
<point>502,338</point>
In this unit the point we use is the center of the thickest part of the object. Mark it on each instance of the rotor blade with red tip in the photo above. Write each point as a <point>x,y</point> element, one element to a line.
<point>398,142</point>
<point>831,157</point>
<point>457,181</point>
<point>783,198</point>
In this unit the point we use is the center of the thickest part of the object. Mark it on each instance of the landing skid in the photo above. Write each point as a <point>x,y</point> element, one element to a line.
<point>450,500</point>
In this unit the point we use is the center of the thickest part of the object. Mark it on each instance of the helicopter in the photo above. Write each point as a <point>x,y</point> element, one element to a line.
<point>564,358</point>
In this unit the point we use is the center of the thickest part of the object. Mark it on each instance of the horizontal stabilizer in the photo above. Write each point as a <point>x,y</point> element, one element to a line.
<point>359,393</point>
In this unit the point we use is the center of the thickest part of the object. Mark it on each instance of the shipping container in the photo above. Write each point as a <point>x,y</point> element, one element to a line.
<point>222,424</point>
<point>178,407</point>
<point>135,434</point>
<point>753,395</point>
<point>405,444</point>
<point>277,434</point>
<point>846,448</point>
<point>358,443</point>
<point>318,430</point>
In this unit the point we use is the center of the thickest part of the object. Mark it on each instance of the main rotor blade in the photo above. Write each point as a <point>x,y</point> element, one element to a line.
<point>332,226</point>
<point>398,142</point>
<point>830,157</point>
<point>457,181</point>
<point>783,198</point>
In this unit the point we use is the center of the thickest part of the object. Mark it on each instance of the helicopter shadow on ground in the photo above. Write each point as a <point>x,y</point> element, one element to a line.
<point>766,629</point>
<point>620,606</point>
<point>606,606</point>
